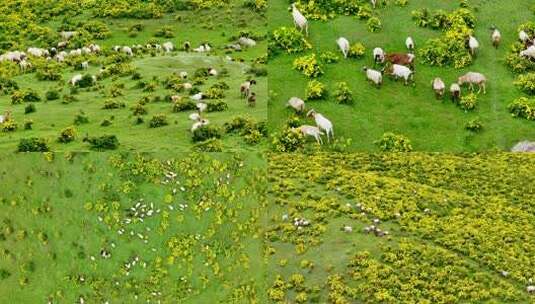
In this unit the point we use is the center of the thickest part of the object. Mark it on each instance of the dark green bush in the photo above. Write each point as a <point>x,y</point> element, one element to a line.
<point>216,106</point>
<point>206,132</point>
<point>184,105</point>
<point>30,108</point>
<point>209,145</point>
<point>523,108</point>
<point>289,140</point>
<point>391,142</point>
<point>27,95</point>
<point>158,120</point>
<point>52,95</point>
<point>67,135</point>
<point>33,144</point>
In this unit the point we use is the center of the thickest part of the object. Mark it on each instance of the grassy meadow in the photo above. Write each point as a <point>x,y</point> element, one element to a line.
<point>412,111</point>
<point>196,26</point>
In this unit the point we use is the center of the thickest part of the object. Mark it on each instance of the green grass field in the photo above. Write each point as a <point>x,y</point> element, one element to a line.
<point>412,111</point>
<point>59,211</point>
<point>454,223</point>
<point>196,26</point>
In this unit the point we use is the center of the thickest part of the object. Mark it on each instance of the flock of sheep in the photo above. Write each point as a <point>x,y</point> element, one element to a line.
<point>399,66</point>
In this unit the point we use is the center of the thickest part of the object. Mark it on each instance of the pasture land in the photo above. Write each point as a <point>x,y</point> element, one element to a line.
<point>142,228</point>
<point>143,82</point>
<point>412,111</point>
<point>450,228</point>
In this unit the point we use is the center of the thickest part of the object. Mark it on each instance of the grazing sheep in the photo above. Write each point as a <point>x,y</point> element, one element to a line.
<point>75,79</point>
<point>474,78</point>
<point>24,65</point>
<point>529,52</point>
<point>401,71</point>
<point>473,44</point>
<point>439,87</point>
<point>60,57</point>
<point>95,48</point>
<point>297,104</point>
<point>168,47</point>
<point>322,123</point>
<point>343,44</point>
<point>183,75</point>
<point>524,146</point>
<point>187,86</point>
<point>86,50</point>
<point>251,101</point>
<point>247,42</point>
<point>348,229</point>
<point>85,65</point>
<point>195,116</point>
<point>212,72</point>
<point>312,131</point>
<point>127,50</point>
<point>75,53</point>
<point>5,117</point>
<point>186,46</point>
<point>197,97</point>
<point>14,56</point>
<point>37,52</point>
<point>530,288</point>
<point>299,20</point>
<point>455,91</point>
<point>199,124</point>
<point>523,36</point>
<point>205,47</point>
<point>374,76</point>
<point>378,55</point>
<point>496,37</point>
<point>201,107</point>
<point>245,88</point>
<point>409,43</point>
<point>66,35</point>
<point>401,59</point>
<point>62,45</point>
<point>175,98</point>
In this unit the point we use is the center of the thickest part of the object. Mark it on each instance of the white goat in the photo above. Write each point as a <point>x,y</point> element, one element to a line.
<point>85,65</point>
<point>409,43</point>
<point>183,75</point>
<point>474,78</point>
<point>168,47</point>
<point>473,44</point>
<point>439,87</point>
<point>323,124</point>
<point>297,104</point>
<point>374,76</point>
<point>455,91</point>
<point>378,55</point>
<point>496,37</point>
<point>343,44</point>
<point>75,79</point>
<point>401,71</point>
<point>24,65</point>
<point>299,20</point>
<point>247,42</point>
<point>312,131</point>
<point>523,36</point>
<point>529,52</point>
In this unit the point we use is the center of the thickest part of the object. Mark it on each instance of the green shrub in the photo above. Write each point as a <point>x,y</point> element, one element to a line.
<point>98,29</point>
<point>391,142</point>
<point>9,126</point>
<point>308,65</point>
<point>374,24</point>
<point>253,137</point>
<point>104,142</point>
<point>209,145</point>
<point>468,102</point>
<point>113,104</point>
<point>526,83</point>
<point>86,81</point>
<point>184,105</point>
<point>289,40</point>
<point>329,57</point>
<point>289,140</point>
<point>50,71</point>
<point>30,108</point>
<point>7,86</point>
<point>216,106</point>
<point>166,32</point>
<point>52,94</point>
<point>523,108</point>
<point>206,132</point>
<point>474,125</point>
<point>256,5</point>
<point>315,90</point>
<point>237,123</point>
<point>33,144</point>
<point>401,2</point>
<point>81,118</point>
<point>67,135</point>
<point>28,124</point>
<point>519,64</point>
<point>215,93</point>
<point>258,71</point>
<point>357,50</point>
<point>106,123</point>
<point>138,109</point>
<point>27,95</point>
<point>158,120</point>
<point>343,94</point>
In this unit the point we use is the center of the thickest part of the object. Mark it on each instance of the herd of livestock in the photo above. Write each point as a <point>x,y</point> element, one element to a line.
<point>400,66</point>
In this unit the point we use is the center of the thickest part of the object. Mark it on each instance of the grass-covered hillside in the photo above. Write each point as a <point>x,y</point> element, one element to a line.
<point>140,99</point>
<point>106,228</point>
<point>400,228</point>
<point>338,88</point>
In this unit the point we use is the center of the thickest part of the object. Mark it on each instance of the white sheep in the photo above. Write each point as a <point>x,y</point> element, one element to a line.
<point>212,72</point>
<point>85,65</point>
<point>529,52</point>
<point>75,79</point>
<point>530,288</point>
<point>474,78</point>
<point>523,36</point>
<point>201,107</point>
<point>187,86</point>
<point>183,75</point>
<point>37,52</point>
<point>299,20</point>
<point>374,76</point>
<point>197,97</point>
<point>86,50</point>
<point>409,43</point>
<point>348,229</point>
<point>199,124</point>
<point>24,65</point>
<point>245,88</point>
<point>127,50</point>
<point>496,37</point>
<point>401,71</point>
<point>378,55</point>
<point>343,44</point>
<point>323,124</point>
<point>203,48</point>
<point>66,35</point>
<point>297,104</point>
<point>455,91</point>
<point>168,47</point>
<point>312,131</point>
<point>95,48</point>
<point>473,44</point>
<point>5,117</point>
<point>524,146</point>
<point>439,87</point>
<point>247,42</point>
<point>75,53</point>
